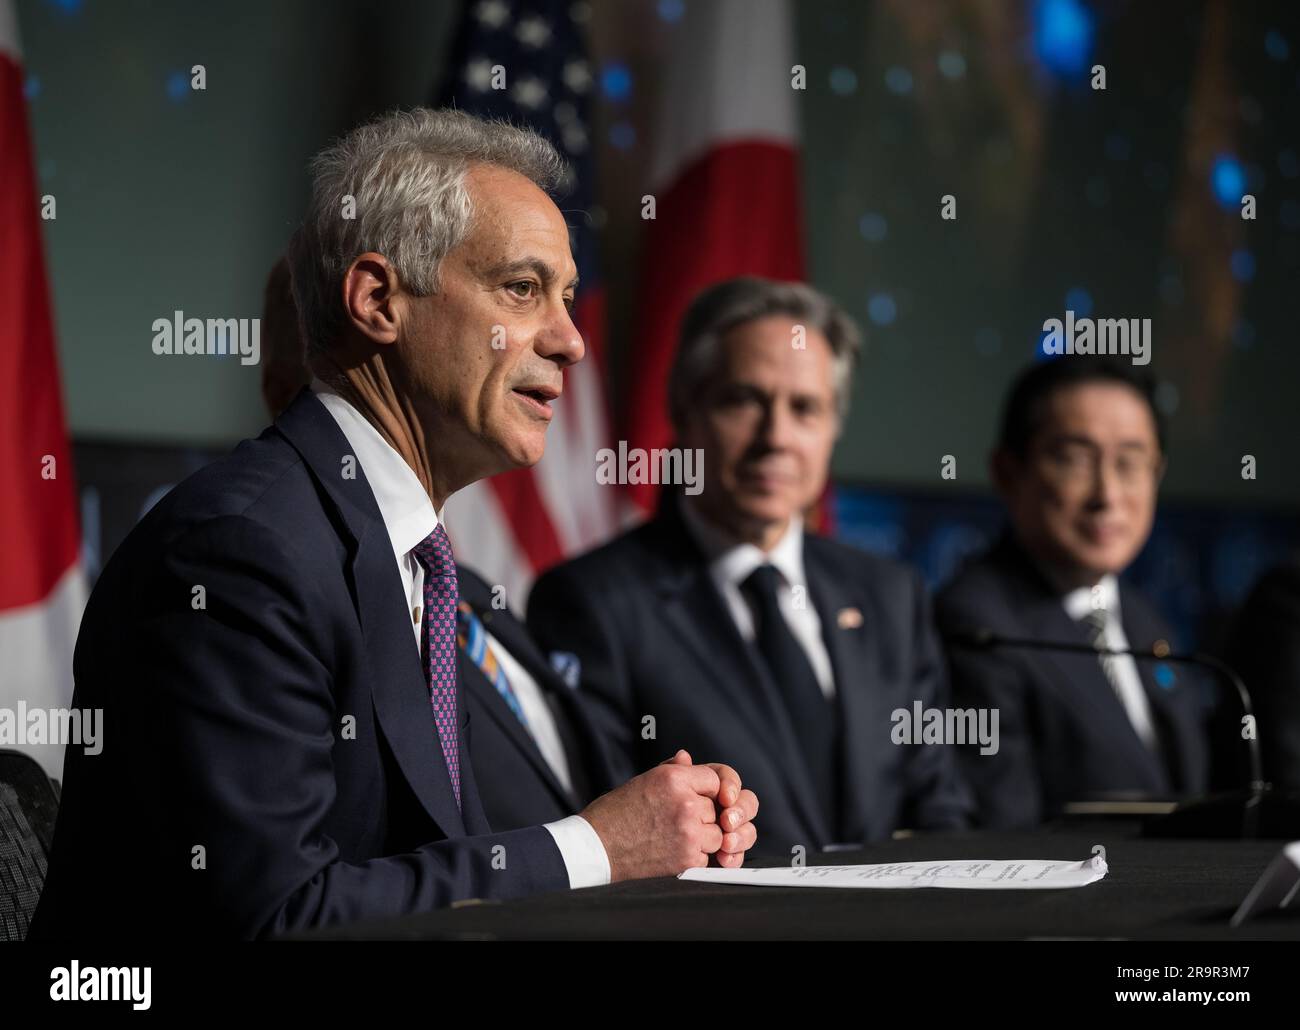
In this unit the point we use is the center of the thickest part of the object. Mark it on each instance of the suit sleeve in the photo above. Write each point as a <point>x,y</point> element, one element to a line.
<point>244,726</point>
<point>937,798</point>
<point>564,616</point>
<point>1006,784</point>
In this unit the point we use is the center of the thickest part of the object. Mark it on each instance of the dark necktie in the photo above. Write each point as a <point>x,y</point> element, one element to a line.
<point>812,715</point>
<point>1095,623</point>
<point>440,669</point>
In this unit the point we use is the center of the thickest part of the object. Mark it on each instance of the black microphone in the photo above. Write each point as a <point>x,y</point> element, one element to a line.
<point>1255,811</point>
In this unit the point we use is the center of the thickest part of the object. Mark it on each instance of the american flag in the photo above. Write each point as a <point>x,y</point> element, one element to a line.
<point>526,61</point>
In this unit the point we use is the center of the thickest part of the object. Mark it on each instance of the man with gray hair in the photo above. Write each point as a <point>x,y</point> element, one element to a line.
<point>274,645</point>
<point>723,625</point>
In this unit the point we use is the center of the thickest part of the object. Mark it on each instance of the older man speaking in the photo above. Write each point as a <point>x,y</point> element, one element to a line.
<point>274,646</point>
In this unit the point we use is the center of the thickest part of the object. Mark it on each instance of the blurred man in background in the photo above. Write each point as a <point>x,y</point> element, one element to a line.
<point>722,625</point>
<point>1078,462</point>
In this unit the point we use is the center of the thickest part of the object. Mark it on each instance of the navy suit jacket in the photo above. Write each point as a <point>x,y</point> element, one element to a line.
<point>655,638</point>
<point>270,760</point>
<point>1064,735</point>
<point>516,784</point>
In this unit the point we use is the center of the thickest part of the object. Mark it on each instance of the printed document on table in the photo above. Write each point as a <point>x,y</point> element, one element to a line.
<point>1030,874</point>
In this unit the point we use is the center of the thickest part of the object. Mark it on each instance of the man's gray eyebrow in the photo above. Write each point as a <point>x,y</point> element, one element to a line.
<point>544,271</point>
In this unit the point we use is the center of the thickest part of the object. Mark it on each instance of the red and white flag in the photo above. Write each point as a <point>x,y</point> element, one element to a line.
<point>725,180</point>
<point>42,588</point>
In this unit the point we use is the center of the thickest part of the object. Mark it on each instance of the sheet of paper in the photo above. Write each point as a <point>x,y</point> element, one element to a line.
<point>1031,874</point>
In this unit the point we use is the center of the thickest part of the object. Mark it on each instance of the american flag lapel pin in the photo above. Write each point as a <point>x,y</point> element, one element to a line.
<point>849,618</point>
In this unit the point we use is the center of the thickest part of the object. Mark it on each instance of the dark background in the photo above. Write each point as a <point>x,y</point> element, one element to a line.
<point>1115,203</point>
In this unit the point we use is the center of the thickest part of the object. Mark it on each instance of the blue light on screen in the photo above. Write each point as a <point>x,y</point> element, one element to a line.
<point>1063,36</point>
<point>1228,180</point>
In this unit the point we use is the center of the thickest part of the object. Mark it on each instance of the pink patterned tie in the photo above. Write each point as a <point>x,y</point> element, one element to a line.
<point>440,597</point>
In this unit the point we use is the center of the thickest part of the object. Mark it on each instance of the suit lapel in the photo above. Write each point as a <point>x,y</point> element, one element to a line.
<point>471,802</point>
<point>1078,679</point>
<point>863,709</point>
<point>591,765</point>
<point>497,709</point>
<point>514,638</point>
<point>398,686</point>
<point>1171,705</point>
<point>698,615</point>
<point>1172,727</point>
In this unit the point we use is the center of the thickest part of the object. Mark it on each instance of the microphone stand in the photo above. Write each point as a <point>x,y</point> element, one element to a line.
<point>1254,811</point>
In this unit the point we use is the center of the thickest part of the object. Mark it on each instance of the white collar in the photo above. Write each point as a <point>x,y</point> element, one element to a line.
<point>403,504</point>
<point>733,562</point>
<point>1078,602</point>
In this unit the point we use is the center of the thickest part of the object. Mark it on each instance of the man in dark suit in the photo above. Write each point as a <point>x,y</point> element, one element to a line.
<point>286,744</point>
<point>723,625</point>
<point>1078,462</point>
<point>538,755</point>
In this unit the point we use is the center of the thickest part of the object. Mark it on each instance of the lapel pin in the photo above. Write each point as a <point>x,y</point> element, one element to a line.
<point>849,618</point>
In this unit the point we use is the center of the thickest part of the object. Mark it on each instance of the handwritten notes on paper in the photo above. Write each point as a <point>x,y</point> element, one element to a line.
<point>1031,874</point>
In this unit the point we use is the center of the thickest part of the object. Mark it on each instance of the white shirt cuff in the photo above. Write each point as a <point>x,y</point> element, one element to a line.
<point>582,851</point>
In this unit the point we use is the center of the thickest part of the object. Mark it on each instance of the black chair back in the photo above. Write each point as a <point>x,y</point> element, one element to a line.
<point>29,802</point>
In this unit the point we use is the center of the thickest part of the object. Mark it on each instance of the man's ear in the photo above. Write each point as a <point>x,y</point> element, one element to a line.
<point>370,288</point>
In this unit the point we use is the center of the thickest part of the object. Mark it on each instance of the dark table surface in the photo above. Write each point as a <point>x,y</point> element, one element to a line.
<point>1155,889</point>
